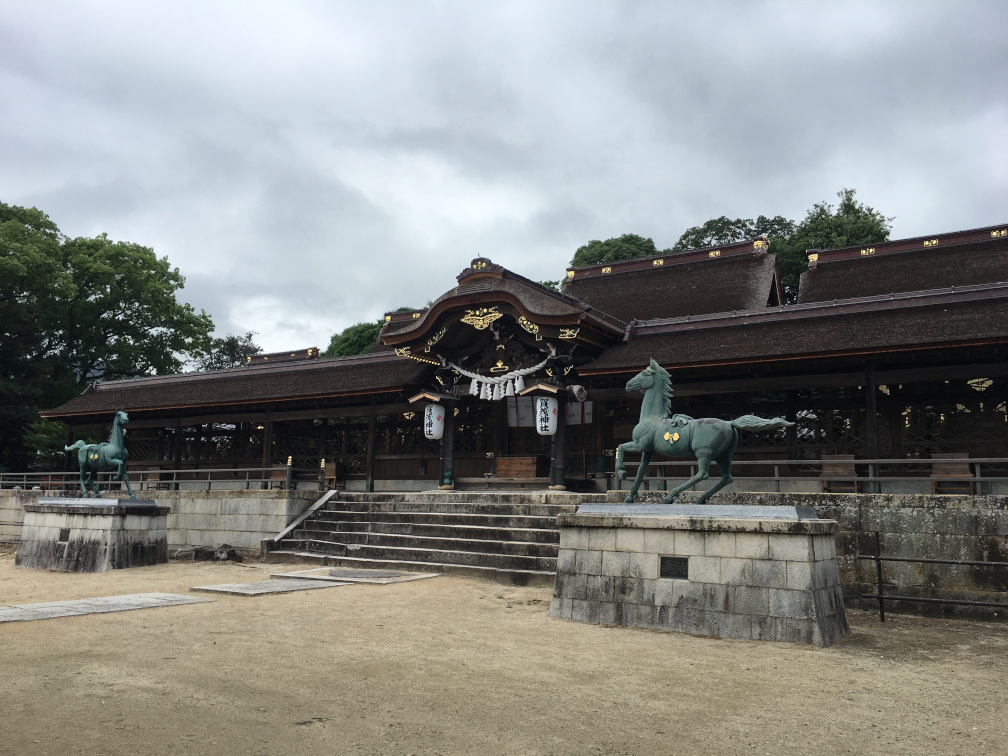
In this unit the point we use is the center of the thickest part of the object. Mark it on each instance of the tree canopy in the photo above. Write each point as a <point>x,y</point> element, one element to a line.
<point>355,339</point>
<point>228,352</point>
<point>76,310</point>
<point>626,247</point>
<point>824,227</point>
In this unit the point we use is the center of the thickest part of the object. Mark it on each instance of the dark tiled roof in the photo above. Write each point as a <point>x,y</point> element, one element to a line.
<point>881,325</point>
<point>905,265</point>
<point>706,285</point>
<point>323,378</point>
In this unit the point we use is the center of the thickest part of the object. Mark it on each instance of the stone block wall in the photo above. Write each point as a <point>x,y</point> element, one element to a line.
<point>197,518</point>
<point>964,528</point>
<point>766,581</point>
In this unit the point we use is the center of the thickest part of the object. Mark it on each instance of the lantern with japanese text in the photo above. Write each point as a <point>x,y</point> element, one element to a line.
<point>433,422</point>
<point>546,415</point>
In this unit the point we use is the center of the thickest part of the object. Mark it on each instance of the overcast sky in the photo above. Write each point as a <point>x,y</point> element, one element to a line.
<point>308,165</point>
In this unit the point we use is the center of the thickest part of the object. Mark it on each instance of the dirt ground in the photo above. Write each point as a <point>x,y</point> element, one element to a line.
<point>452,665</point>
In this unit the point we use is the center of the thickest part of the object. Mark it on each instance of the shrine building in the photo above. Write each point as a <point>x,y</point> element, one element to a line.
<point>894,356</point>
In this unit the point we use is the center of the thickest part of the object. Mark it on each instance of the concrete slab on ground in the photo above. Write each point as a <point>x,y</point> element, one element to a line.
<point>101,605</point>
<point>264,587</point>
<point>356,575</point>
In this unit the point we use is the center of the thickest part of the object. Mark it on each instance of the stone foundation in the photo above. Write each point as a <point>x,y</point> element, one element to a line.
<point>762,573</point>
<point>93,535</point>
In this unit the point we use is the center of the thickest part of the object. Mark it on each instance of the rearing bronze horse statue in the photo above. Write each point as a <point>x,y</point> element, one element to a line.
<point>95,457</point>
<point>706,438</point>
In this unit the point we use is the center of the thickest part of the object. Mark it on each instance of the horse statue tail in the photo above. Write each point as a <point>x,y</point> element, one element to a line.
<point>756,423</point>
<point>77,445</point>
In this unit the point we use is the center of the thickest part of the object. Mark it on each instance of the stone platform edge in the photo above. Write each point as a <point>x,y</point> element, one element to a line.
<point>137,507</point>
<point>680,522</point>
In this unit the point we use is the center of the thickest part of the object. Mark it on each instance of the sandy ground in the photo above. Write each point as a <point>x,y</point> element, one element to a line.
<point>452,665</point>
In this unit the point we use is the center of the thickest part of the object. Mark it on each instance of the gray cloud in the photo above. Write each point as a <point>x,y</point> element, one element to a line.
<point>308,165</point>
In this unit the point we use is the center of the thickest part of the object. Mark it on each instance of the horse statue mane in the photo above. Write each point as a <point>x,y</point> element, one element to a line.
<point>708,439</point>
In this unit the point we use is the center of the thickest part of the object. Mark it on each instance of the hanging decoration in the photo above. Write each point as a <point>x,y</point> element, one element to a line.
<point>496,387</point>
<point>546,415</point>
<point>433,421</point>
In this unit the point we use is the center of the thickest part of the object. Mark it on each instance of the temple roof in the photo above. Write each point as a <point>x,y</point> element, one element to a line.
<point>253,384</point>
<point>486,293</point>
<point>935,319</point>
<point>962,258</point>
<point>740,276</point>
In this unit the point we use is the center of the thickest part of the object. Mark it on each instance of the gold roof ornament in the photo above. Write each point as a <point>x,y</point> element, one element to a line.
<point>480,319</point>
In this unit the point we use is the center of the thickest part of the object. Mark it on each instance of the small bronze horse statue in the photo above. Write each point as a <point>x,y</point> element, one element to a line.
<point>95,457</point>
<point>706,438</point>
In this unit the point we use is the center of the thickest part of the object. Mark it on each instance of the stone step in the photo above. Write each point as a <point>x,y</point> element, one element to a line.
<point>451,507</point>
<point>436,530</point>
<point>451,543</point>
<point>516,577</point>
<point>478,497</point>
<point>440,518</point>
<point>424,556</point>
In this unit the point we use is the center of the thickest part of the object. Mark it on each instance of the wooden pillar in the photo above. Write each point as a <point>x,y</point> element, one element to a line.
<point>871,429</point>
<point>558,478</point>
<point>447,481</point>
<point>369,483</point>
<point>267,456</point>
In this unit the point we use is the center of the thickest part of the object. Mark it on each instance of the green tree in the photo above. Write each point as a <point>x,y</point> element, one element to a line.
<point>355,339</point>
<point>626,247</point>
<point>231,351</point>
<point>122,317</point>
<point>722,230</point>
<point>850,223</point>
<point>75,310</point>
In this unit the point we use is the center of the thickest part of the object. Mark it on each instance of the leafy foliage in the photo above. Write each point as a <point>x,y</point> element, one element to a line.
<point>626,247</point>
<point>851,223</point>
<point>355,339</point>
<point>551,285</point>
<point>824,227</point>
<point>75,310</point>
<point>231,351</point>
<point>721,230</point>
<point>45,440</point>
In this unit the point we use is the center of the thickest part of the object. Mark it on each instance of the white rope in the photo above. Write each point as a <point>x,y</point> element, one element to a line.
<point>497,379</point>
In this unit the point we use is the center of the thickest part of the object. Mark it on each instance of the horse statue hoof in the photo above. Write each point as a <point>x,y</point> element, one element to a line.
<point>629,500</point>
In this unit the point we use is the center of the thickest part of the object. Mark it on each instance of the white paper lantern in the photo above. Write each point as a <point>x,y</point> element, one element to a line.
<point>433,422</point>
<point>546,415</point>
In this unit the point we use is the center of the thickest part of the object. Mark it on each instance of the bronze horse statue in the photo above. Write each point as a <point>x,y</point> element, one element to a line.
<point>706,438</point>
<point>95,457</point>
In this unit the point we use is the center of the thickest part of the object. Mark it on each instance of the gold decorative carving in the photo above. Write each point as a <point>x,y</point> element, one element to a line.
<point>868,251</point>
<point>435,338</point>
<point>570,274</point>
<point>529,326</point>
<point>388,318</point>
<point>607,269</point>
<point>500,367</point>
<point>814,257</point>
<point>931,243</point>
<point>416,315</point>
<point>994,234</point>
<point>657,263</point>
<point>760,244</point>
<point>569,333</point>
<point>671,437</point>
<point>479,265</point>
<point>405,352</point>
<point>714,253</point>
<point>481,318</point>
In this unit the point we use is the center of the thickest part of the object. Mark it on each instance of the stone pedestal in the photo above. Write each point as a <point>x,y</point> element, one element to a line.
<point>93,535</point>
<point>761,573</point>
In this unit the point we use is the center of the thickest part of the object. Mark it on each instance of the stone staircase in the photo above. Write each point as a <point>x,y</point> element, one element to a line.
<point>509,536</point>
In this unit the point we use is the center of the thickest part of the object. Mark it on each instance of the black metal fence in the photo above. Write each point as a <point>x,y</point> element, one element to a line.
<point>881,596</point>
